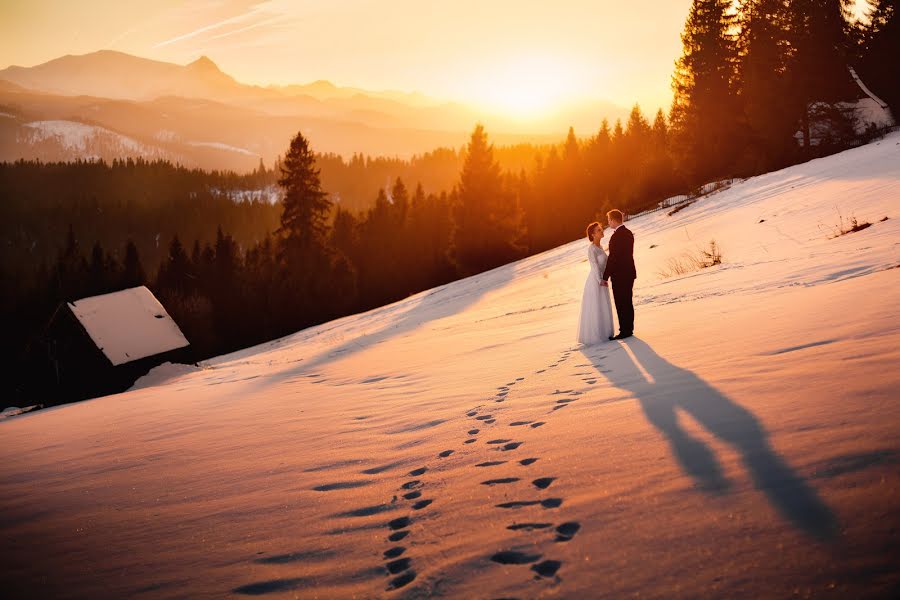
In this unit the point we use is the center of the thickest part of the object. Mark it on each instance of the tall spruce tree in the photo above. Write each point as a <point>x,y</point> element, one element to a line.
<point>305,206</point>
<point>317,283</point>
<point>174,273</point>
<point>488,227</point>
<point>133,273</point>
<point>705,113</point>
<point>766,86</point>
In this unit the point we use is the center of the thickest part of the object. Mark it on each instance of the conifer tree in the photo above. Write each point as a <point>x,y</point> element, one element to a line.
<point>705,110</point>
<point>400,201</point>
<point>770,111</point>
<point>174,273</point>
<point>305,206</point>
<point>133,273</point>
<point>487,222</point>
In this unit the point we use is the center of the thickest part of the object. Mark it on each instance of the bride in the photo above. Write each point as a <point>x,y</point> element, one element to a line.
<point>595,324</point>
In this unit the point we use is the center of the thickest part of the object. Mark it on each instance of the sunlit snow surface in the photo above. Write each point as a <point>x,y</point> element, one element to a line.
<point>744,444</point>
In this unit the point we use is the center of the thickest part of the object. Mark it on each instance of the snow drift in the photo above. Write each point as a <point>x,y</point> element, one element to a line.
<point>458,443</point>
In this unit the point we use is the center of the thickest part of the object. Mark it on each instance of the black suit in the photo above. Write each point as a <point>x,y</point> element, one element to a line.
<point>620,267</point>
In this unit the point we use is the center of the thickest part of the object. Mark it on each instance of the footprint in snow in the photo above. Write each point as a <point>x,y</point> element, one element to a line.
<point>548,568</point>
<point>511,557</point>
<point>547,503</point>
<point>510,446</point>
<point>567,531</point>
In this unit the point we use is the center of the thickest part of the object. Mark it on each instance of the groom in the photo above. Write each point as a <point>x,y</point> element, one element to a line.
<point>620,266</point>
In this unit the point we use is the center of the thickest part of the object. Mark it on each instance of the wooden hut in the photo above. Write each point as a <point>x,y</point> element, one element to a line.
<point>100,345</point>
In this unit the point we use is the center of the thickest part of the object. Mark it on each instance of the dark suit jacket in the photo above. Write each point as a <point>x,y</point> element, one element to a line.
<point>620,264</point>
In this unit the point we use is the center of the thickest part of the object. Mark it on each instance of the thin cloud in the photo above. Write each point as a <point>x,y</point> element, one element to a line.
<point>263,23</point>
<point>218,25</point>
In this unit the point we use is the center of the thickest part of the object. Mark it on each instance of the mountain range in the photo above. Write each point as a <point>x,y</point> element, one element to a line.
<point>109,104</point>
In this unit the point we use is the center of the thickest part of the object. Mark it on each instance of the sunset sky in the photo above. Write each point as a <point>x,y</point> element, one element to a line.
<point>524,56</point>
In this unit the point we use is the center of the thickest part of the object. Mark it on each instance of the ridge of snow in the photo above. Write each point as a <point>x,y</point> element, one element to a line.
<point>74,135</point>
<point>226,147</point>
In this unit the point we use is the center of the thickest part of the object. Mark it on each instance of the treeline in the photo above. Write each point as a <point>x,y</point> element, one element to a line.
<point>351,181</point>
<point>233,274</point>
<point>765,83</point>
<point>146,202</point>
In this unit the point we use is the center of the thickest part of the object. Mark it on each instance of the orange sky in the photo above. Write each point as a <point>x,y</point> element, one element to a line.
<point>521,56</point>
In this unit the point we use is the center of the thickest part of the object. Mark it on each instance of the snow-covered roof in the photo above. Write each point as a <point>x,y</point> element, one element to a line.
<point>128,325</point>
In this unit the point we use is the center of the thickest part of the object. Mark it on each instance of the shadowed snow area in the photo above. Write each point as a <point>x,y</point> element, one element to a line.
<point>745,443</point>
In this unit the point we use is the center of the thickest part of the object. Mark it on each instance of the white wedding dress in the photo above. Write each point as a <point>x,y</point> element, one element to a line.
<point>595,324</point>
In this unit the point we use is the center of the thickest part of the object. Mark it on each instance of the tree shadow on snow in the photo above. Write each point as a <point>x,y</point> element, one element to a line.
<point>663,389</point>
<point>400,318</point>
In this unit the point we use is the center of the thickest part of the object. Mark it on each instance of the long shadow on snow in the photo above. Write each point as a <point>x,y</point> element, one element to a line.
<point>432,305</point>
<point>663,388</point>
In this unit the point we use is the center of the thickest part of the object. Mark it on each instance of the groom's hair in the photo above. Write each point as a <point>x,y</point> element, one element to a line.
<point>590,230</point>
<point>615,215</point>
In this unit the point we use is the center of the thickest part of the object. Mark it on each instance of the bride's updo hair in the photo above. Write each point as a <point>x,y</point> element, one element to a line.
<point>590,230</point>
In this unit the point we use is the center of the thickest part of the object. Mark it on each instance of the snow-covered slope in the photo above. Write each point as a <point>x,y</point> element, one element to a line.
<point>70,140</point>
<point>457,443</point>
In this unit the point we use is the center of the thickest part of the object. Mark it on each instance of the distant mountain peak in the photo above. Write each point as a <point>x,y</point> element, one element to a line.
<point>204,63</point>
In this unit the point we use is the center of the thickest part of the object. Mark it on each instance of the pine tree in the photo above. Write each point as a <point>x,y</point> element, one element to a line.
<point>488,226</point>
<point>704,110</point>
<point>766,86</point>
<point>662,180</point>
<point>69,275</point>
<point>305,206</point>
<point>660,134</point>
<point>344,234</point>
<point>103,272</point>
<point>174,273</point>
<point>400,201</point>
<point>226,261</point>
<point>598,168</point>
<point>133,273</point>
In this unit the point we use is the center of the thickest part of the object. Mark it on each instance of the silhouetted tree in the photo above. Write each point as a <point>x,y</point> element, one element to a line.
<point>705,111</point>
<point>174,273</point>
<point>771,109</point>
<point>488,227</point>
<point>305,206</point>
<point>133,273</point>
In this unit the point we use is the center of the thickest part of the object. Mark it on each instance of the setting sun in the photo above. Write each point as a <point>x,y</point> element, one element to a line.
<point>527,87</point>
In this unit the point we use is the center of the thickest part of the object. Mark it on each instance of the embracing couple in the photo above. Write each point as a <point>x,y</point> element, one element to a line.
<point>595,324</point>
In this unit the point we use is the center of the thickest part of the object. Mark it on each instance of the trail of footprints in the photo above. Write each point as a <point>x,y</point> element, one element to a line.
<point>399,566</point>
<point>564,532</point>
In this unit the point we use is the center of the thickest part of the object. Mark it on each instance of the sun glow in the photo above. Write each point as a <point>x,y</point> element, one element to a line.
<point>528,88</point>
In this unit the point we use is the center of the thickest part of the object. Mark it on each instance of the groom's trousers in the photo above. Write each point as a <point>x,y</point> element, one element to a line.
<point>622,291</point>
